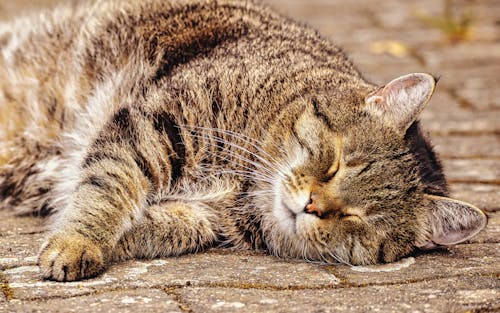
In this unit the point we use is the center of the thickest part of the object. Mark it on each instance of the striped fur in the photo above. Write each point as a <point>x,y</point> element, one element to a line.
<point>155,128</point>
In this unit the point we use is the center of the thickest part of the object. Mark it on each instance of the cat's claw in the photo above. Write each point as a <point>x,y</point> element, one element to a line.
<point>70,258</point>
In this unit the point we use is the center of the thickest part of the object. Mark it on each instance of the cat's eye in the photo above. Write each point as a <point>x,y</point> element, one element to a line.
<point>350,218</point>
<point>352,214</point>
<point>331,172</point>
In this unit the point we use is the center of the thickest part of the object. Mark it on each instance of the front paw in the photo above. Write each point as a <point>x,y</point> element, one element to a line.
<point>70,257</point>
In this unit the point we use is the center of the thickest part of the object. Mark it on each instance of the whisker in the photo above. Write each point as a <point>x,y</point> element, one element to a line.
<point>241,137</point>
<point>252,141</point>
<point>242,158</point>
<point>223,141</point>
<point>255,171</point>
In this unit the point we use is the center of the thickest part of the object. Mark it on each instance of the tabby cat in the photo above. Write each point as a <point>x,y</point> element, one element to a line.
<point>147,129</point>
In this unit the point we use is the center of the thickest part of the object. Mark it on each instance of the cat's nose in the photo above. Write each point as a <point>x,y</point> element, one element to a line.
<point>313,207</point>
<point>322,207</point>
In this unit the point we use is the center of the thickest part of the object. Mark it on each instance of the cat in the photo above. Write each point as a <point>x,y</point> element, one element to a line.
<point>146,129</point>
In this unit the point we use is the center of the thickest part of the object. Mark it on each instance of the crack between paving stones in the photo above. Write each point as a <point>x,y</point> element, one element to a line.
<point>492,309</point>
<point>346,284</point>
<point>174,294</point>
<point>464,133</point>
<point>495,182</point>
<point>470,157</point>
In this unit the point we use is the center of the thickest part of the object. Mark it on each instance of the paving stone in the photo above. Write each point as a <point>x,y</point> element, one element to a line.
<point>481,96</point>
<point>25,283</point>
<point>457,77</point>
<point>245,270</point>
<point>472,170</point>
<point>458,294</point>
<point>20,239</point>
<point>460,123</point>
<point>414,39</point>
<point>485,197</point>
<point>219,267</point>
<point>19,250</point>
<point>381,68</point>
<point>470,147</point>
<point>452,56</point>
<point>460,260</point>
<point>222,266</point>
<point>491,234</point>
<point>313,11</point>
<point>13,225</point>
<point>141,300</point>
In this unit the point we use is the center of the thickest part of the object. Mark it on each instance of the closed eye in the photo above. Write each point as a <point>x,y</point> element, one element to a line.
<point>353,214</point>
<point>332,171</point>
<point>328,177</point>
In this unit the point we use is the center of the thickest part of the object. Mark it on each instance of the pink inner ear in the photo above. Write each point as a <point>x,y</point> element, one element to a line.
<point>400,102</point>
<point>405,83</point>
<point>453,221</point>
<point>452,237</point>
<point>396,85</point>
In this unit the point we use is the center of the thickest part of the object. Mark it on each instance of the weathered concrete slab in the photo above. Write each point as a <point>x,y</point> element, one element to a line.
<point>460,123</point>
<point>244,270</point>
<point>471,259</point>
<point>380,68</point>
<point>471,147</point>
<point>141,300</point>
<point>217,268</point>
<point>20,239</point>
<point>458,294</point>
<point>473,171</point>
<point>25,283</point>
<point>19,250</point>
<point>13,225</point>
<point>452,56</point>
<point>491,234</point>
<point>484,196</point>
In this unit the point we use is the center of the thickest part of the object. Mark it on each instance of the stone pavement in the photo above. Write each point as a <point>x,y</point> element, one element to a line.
<point>385,39</point>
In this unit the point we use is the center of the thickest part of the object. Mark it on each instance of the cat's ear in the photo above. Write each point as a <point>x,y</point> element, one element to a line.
<point>451,222</point>
<point>400,102</point>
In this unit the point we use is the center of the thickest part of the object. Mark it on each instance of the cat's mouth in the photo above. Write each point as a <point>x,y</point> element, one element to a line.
<point>288,218</point>
<point>289,210</point>
<point>289,207</point>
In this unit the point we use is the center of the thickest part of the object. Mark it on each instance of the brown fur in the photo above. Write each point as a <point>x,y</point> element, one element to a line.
<point>155,128</point>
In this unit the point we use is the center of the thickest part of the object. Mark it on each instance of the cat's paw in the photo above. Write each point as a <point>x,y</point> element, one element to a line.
<point>70,257</point>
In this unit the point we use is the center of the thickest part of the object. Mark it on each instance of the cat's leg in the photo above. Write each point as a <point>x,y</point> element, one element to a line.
<point>125,167</point>
<point>167,229</point>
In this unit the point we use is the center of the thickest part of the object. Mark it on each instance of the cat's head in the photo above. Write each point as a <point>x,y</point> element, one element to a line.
<point>357,182</point>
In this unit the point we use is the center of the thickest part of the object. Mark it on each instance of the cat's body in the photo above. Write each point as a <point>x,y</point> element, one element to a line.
<point>155,128</point>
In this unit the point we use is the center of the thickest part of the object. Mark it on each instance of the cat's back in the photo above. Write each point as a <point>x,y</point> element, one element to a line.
<point>77,52</point>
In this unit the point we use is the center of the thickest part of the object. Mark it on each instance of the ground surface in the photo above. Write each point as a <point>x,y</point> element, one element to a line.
<point>464,120</point>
